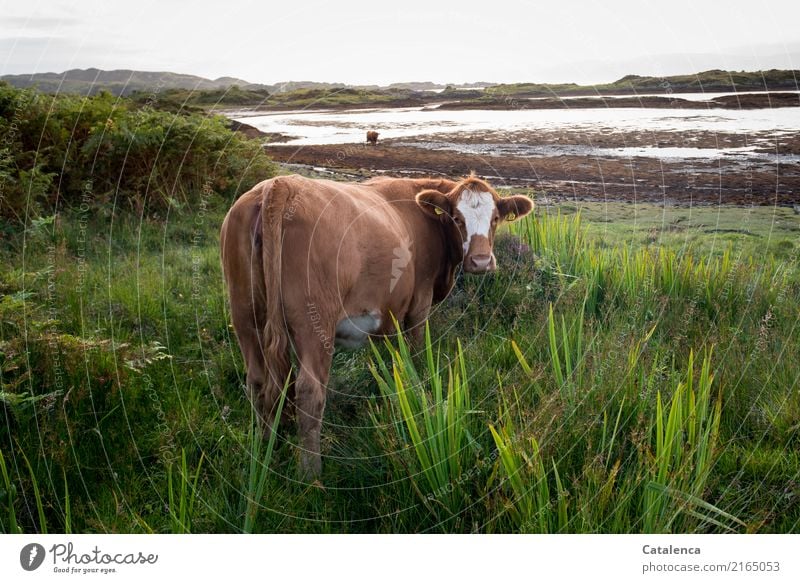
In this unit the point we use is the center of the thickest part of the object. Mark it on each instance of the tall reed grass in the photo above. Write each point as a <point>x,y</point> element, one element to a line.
<point>430,414</point>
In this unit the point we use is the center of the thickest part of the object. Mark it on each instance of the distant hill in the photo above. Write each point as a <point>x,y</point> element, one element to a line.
<point>120,81</point>
<point>707,81</point>
<point>178,91</point>
<point>289,86</point>
<point>126,82</point>
<point>714,80</point>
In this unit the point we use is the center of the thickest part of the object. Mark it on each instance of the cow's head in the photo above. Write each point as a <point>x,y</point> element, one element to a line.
<point>470,213</point>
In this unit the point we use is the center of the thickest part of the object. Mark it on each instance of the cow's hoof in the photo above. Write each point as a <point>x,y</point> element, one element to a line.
<point>310,468</point>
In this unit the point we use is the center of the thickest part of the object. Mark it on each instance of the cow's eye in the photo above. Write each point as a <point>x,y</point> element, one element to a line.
<point>458,220</point>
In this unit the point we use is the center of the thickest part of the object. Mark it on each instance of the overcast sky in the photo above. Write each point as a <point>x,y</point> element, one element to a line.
<point>411,40</point>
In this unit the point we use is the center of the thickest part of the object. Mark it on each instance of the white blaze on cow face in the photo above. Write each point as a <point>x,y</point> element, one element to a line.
<point>477,209</point>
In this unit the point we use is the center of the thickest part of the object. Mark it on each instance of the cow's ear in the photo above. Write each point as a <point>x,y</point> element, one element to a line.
<point>434,203</point>
<point>512,208</point>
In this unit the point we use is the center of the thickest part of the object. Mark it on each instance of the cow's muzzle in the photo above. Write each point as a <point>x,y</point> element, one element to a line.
<point>480,263</point>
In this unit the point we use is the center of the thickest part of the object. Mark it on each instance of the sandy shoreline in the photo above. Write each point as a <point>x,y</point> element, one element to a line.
<point>581,160</point>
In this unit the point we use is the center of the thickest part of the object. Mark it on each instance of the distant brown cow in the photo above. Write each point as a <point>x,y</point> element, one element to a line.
<point>372,137</point>
<point>310,263</point>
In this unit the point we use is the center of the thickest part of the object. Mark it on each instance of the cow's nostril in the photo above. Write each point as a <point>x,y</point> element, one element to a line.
<point>480,261</point>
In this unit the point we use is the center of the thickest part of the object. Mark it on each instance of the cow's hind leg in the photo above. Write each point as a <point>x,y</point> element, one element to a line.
<point>253,353</point>
<point>258,389</point>
<point>278,376</point>
<point>314,353</point>
<point>242,263</point>
<point>263,395</point>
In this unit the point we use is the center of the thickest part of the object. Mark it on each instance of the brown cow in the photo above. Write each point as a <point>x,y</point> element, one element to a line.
<point>310,263</point>
<point>372,137</point>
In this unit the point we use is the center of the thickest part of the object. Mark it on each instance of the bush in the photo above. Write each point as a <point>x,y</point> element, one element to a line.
<point>63,150</point>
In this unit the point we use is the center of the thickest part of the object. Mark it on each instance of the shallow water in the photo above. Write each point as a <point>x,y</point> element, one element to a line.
<point>343,127</point>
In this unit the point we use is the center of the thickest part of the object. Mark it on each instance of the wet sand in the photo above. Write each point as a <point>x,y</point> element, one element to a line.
<point>767,143</point>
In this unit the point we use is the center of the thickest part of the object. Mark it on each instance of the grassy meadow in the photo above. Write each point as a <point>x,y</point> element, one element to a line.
<point>630,368</point>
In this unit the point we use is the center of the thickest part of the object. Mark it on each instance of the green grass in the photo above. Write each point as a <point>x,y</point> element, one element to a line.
<point>260,463</point>
<point>182,496</point>
<point>630,368</point>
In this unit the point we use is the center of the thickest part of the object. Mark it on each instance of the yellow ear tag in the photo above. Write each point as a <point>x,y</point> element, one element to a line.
<point>437,210</point>
<point>511,216</point>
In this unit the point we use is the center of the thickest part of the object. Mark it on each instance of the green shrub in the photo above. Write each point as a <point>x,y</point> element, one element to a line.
<point>65,151</point>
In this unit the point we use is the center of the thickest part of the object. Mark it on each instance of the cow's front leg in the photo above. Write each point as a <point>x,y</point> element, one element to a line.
<point>415,319</point>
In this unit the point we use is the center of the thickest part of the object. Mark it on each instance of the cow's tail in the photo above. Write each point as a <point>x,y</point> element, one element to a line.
<point>276,338</point>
